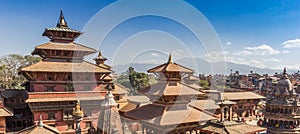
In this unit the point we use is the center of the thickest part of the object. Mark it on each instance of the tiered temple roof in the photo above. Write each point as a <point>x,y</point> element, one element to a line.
<point>63,77</point>
<point>49,66</point>
<point>170,100</point>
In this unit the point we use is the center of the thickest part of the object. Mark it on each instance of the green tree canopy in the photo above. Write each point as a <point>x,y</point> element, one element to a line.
<point>134,80</point>
<point>204,84</point>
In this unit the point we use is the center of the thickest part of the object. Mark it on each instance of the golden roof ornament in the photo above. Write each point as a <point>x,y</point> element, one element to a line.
<point>61,21</point>
<point>77,111</point>
<point>100,56</point>
<point>170,60</point>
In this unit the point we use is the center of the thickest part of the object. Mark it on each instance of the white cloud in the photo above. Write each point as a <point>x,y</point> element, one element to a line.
<point>260,56</point>
<point>257,50</point>
<point>271,60</point>
<point>228,43</point>
<point>256,63</point>
<point>215,56</point>
<point>155,54</point>
<point>262,50</point>
<point>291,43</point>
<point>242,53</point>
<point>285,51</point>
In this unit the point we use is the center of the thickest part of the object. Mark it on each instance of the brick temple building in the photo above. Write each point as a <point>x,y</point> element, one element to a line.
<point>246,103</point>
<point>14,100</point>
<point>63,77</point>
<point>4,114</point>
<point>169,111</point>
<point>282,114</point>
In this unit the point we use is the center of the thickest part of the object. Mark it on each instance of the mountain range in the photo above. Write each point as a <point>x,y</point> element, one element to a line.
<point>202,66</point>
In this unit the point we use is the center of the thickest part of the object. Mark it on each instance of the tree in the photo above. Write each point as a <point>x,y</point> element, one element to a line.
<point>204,84</point>
<point>137,80</point>
<point>10,66</point>
<point>134,80</point>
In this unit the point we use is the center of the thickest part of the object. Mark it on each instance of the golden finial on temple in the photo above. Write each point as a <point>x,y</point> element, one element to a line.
<point>170,60</point>
<point>61,21</point>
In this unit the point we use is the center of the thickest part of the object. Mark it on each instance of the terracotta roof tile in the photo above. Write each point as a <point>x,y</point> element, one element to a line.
<point>157,115</point>
<point>118,89</point>
<point>108,78</point>
<point>140,99</point>
<point>72,46</point>
<point>105,66</point>
<point>162,88</point>
<point>5,112</point>
<point>47,66</point>
<point>204,104</point>
<point>63,96</point>
<point>128,107</point>
<point>240,96</point>
<point>46,129</point>
<point>231,128</point>
<point>146,112</point>
<point>170,67</point>
<point>240,129</point>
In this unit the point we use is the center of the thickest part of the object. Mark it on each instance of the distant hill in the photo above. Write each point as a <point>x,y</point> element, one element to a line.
<point>201,66</point>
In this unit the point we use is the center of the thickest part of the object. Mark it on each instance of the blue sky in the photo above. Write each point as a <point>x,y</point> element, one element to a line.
<point>259,33</point>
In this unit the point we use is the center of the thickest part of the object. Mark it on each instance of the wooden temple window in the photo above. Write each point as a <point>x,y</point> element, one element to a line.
<point>51,115</point>
<point>87,88</point>
<point>19,124</point>
<point>50,88</point>
<point>69,87</point>
<point>117,97</point>
<point>24,123</point>
<point>66,54</point>
<point>64,35</point>
<point>70,126</point>
<point>87,113</point>
<point>87,78</point>
<point>69,78</point>
<point>88,124</point>
<point>61,53</point>
<point>67,115</point>
<point>13,124</point>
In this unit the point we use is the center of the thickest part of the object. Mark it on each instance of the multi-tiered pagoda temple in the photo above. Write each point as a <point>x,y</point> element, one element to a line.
<point>169,112</point>
<point>63,77</point>
<point>282,114</point>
